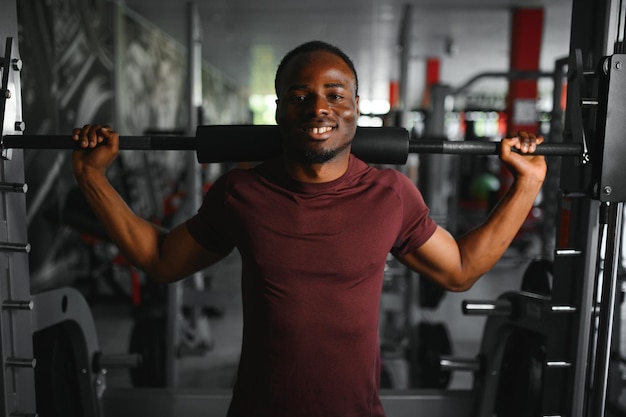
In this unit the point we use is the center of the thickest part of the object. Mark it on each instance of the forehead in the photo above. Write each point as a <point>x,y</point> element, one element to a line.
<point>316,65</point>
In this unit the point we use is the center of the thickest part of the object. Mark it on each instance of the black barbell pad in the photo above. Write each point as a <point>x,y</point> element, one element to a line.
<point>235,143</point>
<point>220,143</point>
<point>487,148</point>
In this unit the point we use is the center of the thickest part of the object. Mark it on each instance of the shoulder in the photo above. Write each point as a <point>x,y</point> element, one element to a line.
<point>386,177</point>
<point>236,176</point>
<point>256,179</point>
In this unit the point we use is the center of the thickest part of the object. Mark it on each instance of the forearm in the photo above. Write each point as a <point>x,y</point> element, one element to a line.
<point>137,238</point>
<point>481,248</point>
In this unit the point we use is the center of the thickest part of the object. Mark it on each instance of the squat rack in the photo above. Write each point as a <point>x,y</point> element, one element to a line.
<point>585,258</point>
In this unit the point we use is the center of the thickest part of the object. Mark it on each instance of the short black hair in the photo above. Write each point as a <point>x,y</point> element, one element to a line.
<point>313,46</point>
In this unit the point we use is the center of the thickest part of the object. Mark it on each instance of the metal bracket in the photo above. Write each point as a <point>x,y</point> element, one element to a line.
<point>5,92</point>
<point>576,81</point>
<point>609,167</point>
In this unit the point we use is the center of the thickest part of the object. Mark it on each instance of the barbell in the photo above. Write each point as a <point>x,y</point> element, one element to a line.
<point>244,143</point>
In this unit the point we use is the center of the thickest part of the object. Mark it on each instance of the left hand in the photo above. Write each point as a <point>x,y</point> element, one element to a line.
<point>524,163</point>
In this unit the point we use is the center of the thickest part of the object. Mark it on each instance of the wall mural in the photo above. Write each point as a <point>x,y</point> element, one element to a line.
<point>222,103</point>
<point>67,50</point>
<point>68,79</point>
<point>153,80</point>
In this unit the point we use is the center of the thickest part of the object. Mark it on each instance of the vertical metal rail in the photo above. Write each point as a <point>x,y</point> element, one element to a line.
<point>194,186</point>
<point>551,185</point>
<point>195,93</point>
<point>584,356</point>
<point>119,39</point>
<point>405,44</point>
<point>591,38</point>
<point>607,272</point>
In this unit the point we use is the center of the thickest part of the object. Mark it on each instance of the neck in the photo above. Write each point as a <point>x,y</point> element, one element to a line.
<point>318,173</point>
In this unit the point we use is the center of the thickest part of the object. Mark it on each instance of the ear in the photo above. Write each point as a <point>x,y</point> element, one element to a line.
<point>358,111</point>
<point>276,116</point>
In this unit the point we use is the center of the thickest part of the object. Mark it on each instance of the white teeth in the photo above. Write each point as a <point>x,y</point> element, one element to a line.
<point>319,130</point>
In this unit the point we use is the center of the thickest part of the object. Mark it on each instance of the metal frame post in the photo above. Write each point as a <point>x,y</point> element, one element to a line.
<point>194,186</point>
<point>578,258</point>
<point>17,376</point>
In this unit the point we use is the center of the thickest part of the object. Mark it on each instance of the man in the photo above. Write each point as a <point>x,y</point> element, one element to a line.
<point>314,227</point>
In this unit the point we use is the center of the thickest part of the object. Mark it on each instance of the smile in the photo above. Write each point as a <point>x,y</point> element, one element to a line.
<point>318,130</point>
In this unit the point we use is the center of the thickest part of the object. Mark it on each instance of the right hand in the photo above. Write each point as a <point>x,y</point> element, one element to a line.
<point>526,162</point>
<point>99,147</point>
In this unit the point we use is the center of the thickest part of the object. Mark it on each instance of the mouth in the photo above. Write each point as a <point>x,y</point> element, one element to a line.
<point>319,132</point>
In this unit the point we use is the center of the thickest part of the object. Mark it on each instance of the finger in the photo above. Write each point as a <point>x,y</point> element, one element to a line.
<point>528,142</point>
<point>83,136</point>
<point>110,135</point>
<point>92,136</point>
<point>507,144</point>
<point>525,140</point>
<point>106,131</point>
<point>76,133</point>
<point>100,135</point>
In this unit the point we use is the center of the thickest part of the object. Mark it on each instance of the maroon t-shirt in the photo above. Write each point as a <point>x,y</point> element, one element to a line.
<point>313,257</point>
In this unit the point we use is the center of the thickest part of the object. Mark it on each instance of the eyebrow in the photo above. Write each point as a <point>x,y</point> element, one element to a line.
<point>327,85</point>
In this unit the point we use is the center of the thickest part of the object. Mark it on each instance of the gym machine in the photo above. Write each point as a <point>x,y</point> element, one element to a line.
<point>549,351</point>
<point>550,354</point>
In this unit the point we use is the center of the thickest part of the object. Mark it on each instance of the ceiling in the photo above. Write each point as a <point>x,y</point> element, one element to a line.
<point>468,37</point>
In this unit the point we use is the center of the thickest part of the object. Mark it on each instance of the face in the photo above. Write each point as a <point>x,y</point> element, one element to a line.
<point>317,107</point>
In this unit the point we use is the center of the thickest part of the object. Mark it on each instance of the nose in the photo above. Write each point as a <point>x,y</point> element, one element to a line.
<point>318,104</point>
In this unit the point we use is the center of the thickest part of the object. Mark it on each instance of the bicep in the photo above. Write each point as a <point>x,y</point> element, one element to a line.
<point>438,258</point>
<point>181,255</point>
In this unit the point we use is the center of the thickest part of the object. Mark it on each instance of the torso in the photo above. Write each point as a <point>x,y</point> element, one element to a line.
<point>313,259</point>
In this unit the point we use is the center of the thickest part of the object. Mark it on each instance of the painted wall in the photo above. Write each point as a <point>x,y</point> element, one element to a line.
<point>69,79</point>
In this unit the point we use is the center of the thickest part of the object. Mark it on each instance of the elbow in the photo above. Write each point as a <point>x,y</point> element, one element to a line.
<point>161,276</point>
<point>459,287</point>
<point>451,283</point>
<point>459,284</point>
<point>164,279</point>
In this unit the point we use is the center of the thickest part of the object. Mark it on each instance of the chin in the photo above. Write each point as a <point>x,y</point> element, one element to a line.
<point>321,156</point>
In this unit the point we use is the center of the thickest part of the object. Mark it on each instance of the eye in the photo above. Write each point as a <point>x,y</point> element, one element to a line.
<point>297,98</point>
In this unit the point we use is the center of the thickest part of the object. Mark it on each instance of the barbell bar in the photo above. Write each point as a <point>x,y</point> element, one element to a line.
<point>241,143</point>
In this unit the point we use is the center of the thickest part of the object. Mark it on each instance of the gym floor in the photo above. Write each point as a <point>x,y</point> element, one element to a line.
<point>215,370</point>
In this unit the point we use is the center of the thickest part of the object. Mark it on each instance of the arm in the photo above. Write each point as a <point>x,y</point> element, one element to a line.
<point>164,256</point>
<point>457,264</point>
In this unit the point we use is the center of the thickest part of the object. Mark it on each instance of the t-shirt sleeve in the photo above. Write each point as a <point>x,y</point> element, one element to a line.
<point>417,226</point>
<point>209,226</point>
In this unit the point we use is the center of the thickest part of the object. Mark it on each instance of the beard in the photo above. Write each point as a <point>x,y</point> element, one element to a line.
<point>320,156</point>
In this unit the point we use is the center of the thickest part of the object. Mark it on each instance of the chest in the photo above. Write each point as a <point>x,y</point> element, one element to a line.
<point>327,234</point>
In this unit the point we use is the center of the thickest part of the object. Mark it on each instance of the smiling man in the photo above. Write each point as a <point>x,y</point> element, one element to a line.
<point>314,227</point>
<point>317,105</point>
